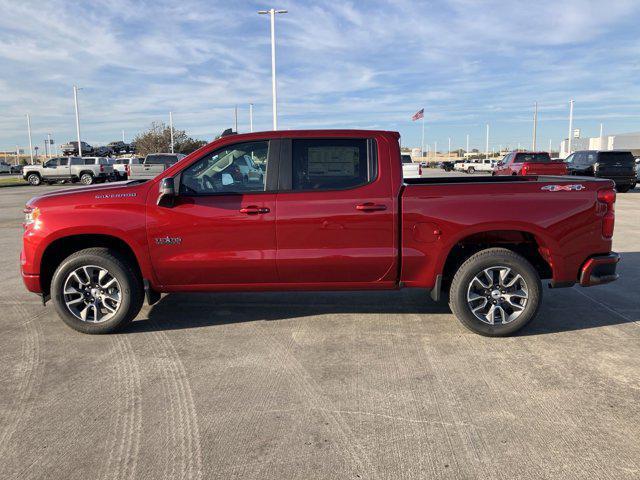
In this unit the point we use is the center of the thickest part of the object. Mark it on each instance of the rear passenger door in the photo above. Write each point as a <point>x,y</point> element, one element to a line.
<point>335,216</point>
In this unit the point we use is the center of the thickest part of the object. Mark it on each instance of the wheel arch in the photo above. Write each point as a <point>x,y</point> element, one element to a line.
<point>531,245</point>
<point>62,247</point>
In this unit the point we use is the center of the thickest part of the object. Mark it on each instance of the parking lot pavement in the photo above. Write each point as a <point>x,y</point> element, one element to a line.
<point>322,385</point>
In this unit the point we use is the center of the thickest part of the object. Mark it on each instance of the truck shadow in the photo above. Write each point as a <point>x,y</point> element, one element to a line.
<point>562,310</point>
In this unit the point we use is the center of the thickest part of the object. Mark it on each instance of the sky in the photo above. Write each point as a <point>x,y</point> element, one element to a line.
<point>359,64</point>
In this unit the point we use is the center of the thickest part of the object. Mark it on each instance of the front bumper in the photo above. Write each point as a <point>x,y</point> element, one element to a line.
<point>599,270</point>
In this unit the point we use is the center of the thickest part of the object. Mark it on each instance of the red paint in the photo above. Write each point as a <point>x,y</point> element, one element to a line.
<point>514,165</point>
<point>377,236</point>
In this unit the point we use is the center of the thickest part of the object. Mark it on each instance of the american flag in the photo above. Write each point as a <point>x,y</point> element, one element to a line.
<point>418,115</point>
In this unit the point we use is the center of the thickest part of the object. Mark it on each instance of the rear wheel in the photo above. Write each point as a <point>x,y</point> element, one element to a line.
<point>471,170</point>
<point>623,188</point>
<point>34,179</point>
<point>86,178</point>
<point>96,291</point>
<point>495,292</point>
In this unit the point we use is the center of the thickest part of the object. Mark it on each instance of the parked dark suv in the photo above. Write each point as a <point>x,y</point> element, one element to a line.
<point>618,166</point>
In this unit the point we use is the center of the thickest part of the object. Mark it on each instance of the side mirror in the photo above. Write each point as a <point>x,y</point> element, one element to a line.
<point>167,193</point>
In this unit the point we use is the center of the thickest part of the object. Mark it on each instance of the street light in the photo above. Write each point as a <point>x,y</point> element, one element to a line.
<point>75,102</point>
<point>251,117</point>
<point>171,129</point>
<point>30,144</point>
<point>272,16</point>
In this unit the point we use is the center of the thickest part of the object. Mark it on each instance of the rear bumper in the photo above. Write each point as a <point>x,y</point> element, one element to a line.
<point>599,270</point>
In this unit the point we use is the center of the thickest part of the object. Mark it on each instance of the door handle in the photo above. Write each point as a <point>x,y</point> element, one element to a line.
<point>370,207</point>
<point>254,210</point>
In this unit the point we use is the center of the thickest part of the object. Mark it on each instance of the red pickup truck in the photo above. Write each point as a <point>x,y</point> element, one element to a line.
<point>331,212</point>
<point>529,163</point>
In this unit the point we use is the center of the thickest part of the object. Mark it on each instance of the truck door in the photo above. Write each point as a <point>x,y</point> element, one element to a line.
<point>221,228</point>
<point>335,219</point>
<point>62,170</point>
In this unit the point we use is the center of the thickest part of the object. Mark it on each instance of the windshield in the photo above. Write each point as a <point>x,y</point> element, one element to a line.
<point>533,158</point>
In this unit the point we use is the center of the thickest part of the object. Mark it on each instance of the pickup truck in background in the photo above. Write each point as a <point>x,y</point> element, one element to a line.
<point>529,163</point>
<point>72,169</point>
<point>71,148</point>
<point>618,166</point>
<point>122,166</point>
<point>153,165</point>
<point>410,169</point>
<point>332,212</point>
<point>472,166</point>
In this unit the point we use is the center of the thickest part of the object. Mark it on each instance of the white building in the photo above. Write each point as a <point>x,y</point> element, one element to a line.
<point>624,141</point>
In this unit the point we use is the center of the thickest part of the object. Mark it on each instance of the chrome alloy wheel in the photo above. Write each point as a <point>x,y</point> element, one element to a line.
<point>497,294</point>
<point>92,294</point>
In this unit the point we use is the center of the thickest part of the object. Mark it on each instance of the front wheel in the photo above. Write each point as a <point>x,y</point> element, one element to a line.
<point>96,291</point>
<point>495,292</point>
<point>623,188</point>
<point>471,170</point>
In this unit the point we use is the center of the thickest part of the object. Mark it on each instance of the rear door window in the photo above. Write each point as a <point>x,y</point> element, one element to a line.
<point>332,164</point>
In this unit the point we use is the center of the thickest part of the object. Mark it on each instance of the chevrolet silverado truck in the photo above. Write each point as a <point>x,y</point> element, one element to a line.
<point>73,169</point>
<point>332,212</point>
<point>530,163</point>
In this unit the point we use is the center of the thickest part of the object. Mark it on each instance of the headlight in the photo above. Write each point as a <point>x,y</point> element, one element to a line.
<point>31,215</point>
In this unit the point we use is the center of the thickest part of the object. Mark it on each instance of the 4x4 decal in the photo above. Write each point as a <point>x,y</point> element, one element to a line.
<point>564,188</point>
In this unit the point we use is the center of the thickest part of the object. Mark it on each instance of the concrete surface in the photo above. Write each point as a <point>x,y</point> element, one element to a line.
<point>322,385</point>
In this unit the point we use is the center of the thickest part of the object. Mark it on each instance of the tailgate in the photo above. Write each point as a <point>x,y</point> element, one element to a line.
<point>544,168</point>
<point>146,171</point>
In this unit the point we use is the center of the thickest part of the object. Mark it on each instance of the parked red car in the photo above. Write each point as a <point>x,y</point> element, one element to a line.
<point>332,212</point>
<point>530,163</point>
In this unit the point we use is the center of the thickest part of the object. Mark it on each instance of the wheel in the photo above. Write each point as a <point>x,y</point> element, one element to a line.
<point>623,188</point>
<point>34,179</point>
<point>495,292</point>
<point>471,170</point>
<point>86,179</point>
<point>96,291</point>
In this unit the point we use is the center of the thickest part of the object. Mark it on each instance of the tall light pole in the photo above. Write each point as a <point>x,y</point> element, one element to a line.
<point>122,136</point>
<point>49,142</point>
<point>449,150</point>
<point>171,129</point>
<point>467,151</point>
<point>29,133</point>
<point>570,127</point>
<point>272,14</point>
<point>487,145</point>
<point>549,146</point>
<point>535,126</point>
<point>251,117</point>
<point>75,102</point>
<point>235,119</point>
<point>601,139</point>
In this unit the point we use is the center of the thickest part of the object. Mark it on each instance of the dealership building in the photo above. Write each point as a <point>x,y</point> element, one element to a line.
<point>623,141</point>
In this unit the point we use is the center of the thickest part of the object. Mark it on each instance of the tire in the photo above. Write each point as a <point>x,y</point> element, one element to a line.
<point>465,286</point>
<point>86,178</point>
<point>623,188</point>
<point>127,282</point>
<point>471,170</point>
<point>34,179</point>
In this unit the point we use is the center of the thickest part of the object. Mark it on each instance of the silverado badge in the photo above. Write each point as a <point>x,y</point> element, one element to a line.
<point>168,240</point>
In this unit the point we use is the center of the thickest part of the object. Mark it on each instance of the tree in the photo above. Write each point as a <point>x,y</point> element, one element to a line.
<point>157,139</point>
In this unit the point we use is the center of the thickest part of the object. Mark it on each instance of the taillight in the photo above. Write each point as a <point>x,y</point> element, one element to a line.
<point>608,197</point>
<point>419,170</point>
<point>102,168</point>
<point>525,169</point>
<point>127,169</point>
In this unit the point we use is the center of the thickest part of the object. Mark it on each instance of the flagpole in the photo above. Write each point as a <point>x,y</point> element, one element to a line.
<point>422,144</point>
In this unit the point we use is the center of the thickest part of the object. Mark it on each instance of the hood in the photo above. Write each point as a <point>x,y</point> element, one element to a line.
<point>93,193</point>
